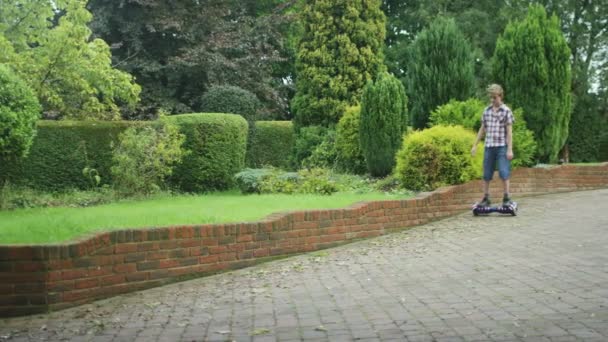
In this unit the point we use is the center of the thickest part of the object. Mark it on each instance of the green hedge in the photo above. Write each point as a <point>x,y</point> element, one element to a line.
<point>271,144</point>
<point>61,150</point>
<point>438,156</point>
<point>217,145</point>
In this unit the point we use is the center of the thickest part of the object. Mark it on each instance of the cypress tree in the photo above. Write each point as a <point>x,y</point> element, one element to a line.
<point>340,50</point>
<point>532,62</point>
<point>384,119</point>
<point>440,69</point>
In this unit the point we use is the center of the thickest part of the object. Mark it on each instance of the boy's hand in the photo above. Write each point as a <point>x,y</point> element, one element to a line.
<point>510,155</point>
<point>474,150</point>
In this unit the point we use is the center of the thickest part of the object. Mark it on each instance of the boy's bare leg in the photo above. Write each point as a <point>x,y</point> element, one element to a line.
<point>506,185</point>
<point>486,188</point>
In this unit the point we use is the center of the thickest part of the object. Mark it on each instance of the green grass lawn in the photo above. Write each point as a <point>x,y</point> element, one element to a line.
<point>43,225</point>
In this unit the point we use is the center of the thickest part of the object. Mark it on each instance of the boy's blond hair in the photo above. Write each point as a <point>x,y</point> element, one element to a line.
<point>495,89</point>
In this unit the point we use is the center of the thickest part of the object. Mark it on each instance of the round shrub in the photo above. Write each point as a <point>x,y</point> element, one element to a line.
<point>270,144</point>
<point>438,156</point>
<point>348,149</point>
<point>60,152</point>
<point>217,145</point>
<point>19,111</point>
<point>230,99</point>
<point>468,114</point>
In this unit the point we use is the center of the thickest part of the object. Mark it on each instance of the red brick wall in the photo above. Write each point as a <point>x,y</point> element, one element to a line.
<point>38,278</point>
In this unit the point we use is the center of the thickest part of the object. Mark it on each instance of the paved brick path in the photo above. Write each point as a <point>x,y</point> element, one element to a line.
<point>540,276</point>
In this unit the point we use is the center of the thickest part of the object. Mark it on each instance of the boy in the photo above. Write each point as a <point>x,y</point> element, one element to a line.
<point>496,124</point>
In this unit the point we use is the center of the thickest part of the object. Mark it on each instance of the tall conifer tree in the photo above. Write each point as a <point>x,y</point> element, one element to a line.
<point>532,62</point>
<point>340,50</point>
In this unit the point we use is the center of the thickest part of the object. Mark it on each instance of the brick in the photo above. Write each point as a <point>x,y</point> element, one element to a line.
<point>226,240</point>
<point>148,246</point>
<point>178,253</point>
<point>125,248</point>
<point>190,243</point>
<point>188,261</point>
<point>218,249</point>
<point>137,276</point>
<point>134,257</point>
<point>86,283</point>
<point>168,263</point>
<point>263,252</point>
<point>170,244</point>
<point>74,296</point>
<point>157,255</point>
<point>198,251</point>
<point>30,288</point>
<point>159,274</point>
<point>208,259</point>
<point>77,250</point>
<point>85,262</point>
<point>7,289</point>
<point>210,242</point>
<point>245,255</point>
<point>148,265</point>
<point>245,238</point>
<point>100,271</point>
<point>13,300</point>
<point>112,280</point>
<point>125,268</point>
<point>227,256</point>
<point>7,266</point>
<point>60,286</point>
<point>74,274</point>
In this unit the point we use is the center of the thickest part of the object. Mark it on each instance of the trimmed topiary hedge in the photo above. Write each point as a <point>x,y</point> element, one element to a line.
<point>271,144</point>
<point>61,150</point>
<point>217,145</point>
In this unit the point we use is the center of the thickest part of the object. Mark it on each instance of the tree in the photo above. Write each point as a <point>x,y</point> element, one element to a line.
<point>480,21</point>
<point>585,27</point>
<point>586,129</point>
<point>180,49</point>
<point>340,50</point>
<point>19,111</point>
<point>532,62</point>
<point>441,68</point>
<point>384,119</point>
<point>48,44</point>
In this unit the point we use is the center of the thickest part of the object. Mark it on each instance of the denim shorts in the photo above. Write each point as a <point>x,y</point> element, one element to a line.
<point>493,156</point>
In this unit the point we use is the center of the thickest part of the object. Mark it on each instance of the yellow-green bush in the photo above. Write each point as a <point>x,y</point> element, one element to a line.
<point>438,156</point>
<point>468,114</point>
<point>348,149</point>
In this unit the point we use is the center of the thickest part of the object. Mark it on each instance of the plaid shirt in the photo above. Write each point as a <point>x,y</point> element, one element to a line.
<point>495,124</point>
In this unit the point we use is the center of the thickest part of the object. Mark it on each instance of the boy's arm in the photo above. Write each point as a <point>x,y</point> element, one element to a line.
<point>480,135</point>
<point>509,142</point>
